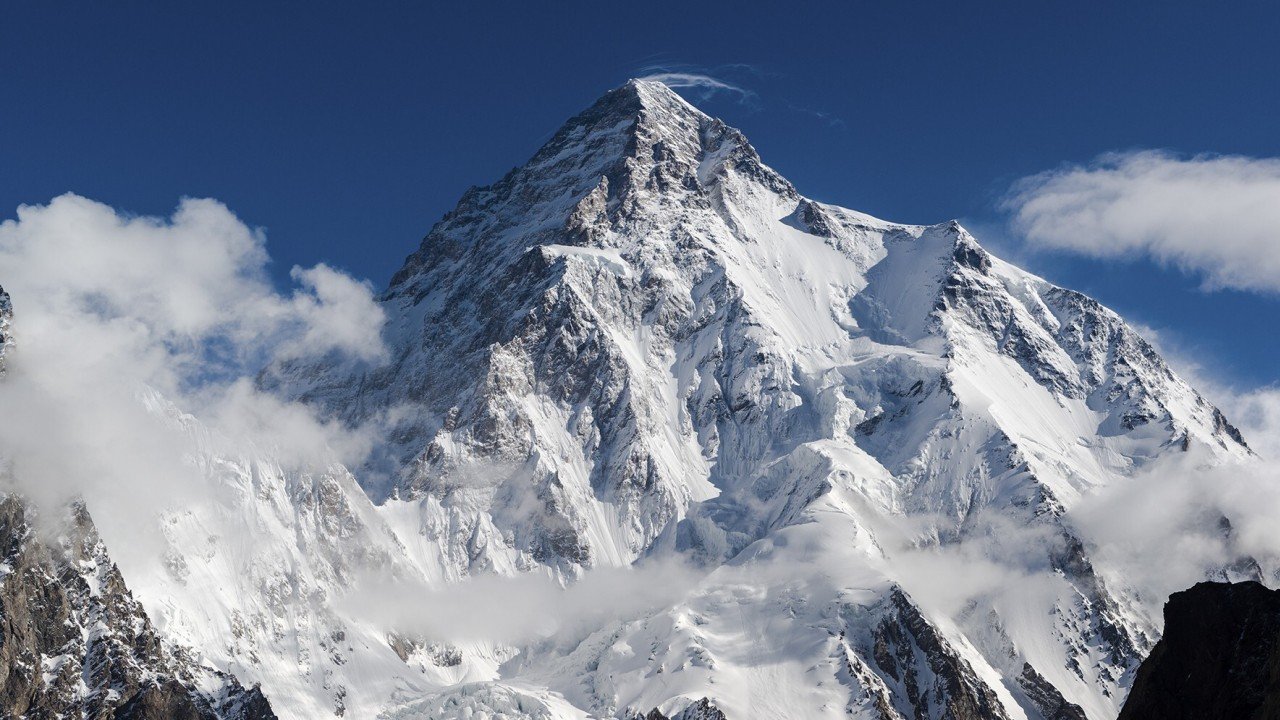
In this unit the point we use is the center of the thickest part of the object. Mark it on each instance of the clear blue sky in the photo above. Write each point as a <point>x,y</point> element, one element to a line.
<point>347,129</point>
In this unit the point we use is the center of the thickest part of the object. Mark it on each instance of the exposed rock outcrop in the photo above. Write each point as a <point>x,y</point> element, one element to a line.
<point>1219,658</point>
<point>75,643</point>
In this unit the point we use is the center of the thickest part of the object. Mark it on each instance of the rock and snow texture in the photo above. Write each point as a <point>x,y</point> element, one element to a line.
<point>6,320</point>
<point>75,643</point>
<point>645,343</point>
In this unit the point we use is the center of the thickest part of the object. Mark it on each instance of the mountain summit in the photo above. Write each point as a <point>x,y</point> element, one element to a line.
<point>645,317</point>
<point>644,346</point>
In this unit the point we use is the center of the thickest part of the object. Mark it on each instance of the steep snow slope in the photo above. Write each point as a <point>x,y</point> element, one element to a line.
<point>255,572</point>
<point>644,343</point>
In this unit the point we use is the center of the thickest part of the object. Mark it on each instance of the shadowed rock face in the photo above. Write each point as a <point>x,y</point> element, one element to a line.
<point>1046,697</point>
<point>6,318</point>
<point>1219,657</point>
<point>75,643</point>
<point>922,668</point>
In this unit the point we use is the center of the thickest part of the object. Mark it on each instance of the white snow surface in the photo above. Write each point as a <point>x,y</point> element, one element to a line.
<point>644,344</point>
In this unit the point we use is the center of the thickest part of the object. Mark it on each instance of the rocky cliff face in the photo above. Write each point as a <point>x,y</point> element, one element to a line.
<point>1219,657</point>
<point>75,643</point>
<point>6,331</point>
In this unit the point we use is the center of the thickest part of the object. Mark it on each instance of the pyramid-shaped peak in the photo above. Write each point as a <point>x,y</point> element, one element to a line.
<point>639,146</point>
<point>638,98</point>
<point>658,95</point>
<point>641,119</point>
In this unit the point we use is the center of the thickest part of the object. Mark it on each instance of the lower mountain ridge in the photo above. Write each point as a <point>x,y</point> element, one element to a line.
<point>75,643</point>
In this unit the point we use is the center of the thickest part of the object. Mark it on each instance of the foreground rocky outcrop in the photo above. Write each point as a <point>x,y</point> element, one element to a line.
<point>75,643</point>
<point>1219,657</point>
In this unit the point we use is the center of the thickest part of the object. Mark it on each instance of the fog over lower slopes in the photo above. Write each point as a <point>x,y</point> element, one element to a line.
<point>117,316</point>
<point>122,321</point>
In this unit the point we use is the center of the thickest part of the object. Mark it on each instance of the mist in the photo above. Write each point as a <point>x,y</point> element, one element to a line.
<point>128,331</point>
<point>520,609</point>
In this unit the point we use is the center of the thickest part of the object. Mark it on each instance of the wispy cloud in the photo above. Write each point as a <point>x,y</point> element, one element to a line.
<point>828,118</point>
<point>730,79</point>
<point>708,81</point>
<point>520,609</point>
<point>1214,216</point>
<point>693,80</point>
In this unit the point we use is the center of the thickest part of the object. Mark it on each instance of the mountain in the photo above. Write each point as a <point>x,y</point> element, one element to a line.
<point>1219,657</point>
<point>645,341</point>
<point>644,316</point>
<point>861,441</point>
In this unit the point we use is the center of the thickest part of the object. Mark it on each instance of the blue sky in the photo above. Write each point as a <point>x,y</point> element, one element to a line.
<point>347,129</point>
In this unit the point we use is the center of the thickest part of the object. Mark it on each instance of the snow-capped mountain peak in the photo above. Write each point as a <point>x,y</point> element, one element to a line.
<point>645,344</point>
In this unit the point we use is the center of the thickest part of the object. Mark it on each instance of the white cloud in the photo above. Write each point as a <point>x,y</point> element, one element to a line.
<point>183,282</point>
<point>335,312</point>
<point>1160,530</point>
<point>1257,413</point>
<point>524,608</point>
<point>1215,216</point>
<point>113,312</point>
<point>698,81</point>
<point>996,554</point>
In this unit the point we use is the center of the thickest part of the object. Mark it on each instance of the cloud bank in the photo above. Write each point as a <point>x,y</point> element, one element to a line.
<point>524,608</point>
<point>1214,216</point>
<point>122,324</point>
